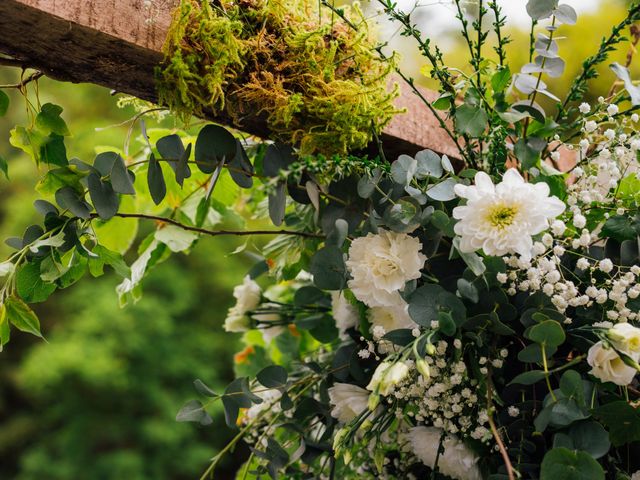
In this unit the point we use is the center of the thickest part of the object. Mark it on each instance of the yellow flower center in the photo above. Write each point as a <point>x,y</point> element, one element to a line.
<point>502,216</point>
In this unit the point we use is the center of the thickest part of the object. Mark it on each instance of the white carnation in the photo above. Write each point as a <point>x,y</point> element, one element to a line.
<point>348,401</point>
<point>457,461</point>
<point>345,314</point>
<point>502,218</point>
<point>391,318</point>
<point>381,264</point>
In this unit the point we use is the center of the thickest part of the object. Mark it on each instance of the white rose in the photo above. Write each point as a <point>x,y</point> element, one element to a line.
<point>348,401</point>
<point>381,264</point>
<point>607,365</point>
<point>247,295</point>
<point>345,314</point>
<point>387,376</point>
<point>391,318</point>
<point>457,461</point>
<point>626,338</point>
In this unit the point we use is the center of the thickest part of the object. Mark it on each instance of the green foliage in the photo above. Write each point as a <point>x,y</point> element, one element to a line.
<point>317,82</point>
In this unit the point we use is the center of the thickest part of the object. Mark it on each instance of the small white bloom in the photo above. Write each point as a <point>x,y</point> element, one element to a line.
<point>513,411</point>
<point>635,117</point>
<point>584,108</point>
<point>579,221</point>
<point>502,218</point>
<point>348,401</point>
<point>558,227</point>
<point>584,143</point>
<point>606,265</point>
<point>582,263</point>
<point>609,134</point>
<point>457,461</point>
<point>607,365</point>
<point>381,264</point>
<point>612,109</point>
<point>247,295</point>
<point>590,126</point>
<point>236,322</point>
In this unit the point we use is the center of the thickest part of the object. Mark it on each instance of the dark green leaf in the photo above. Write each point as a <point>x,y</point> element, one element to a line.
<point>105,200</point>
<point>121,177</point>
<point>565,464</point>
<point>328,268</point>
<point>68,198</point>
<point>273,376</point>
<point>428,301</point>
<point>4,103</point>
<point>192,411</point>
<point>4,167</point>
<point>528,378</point>
<point>278,203</point>
<point>621,228</point>
<point>30,286</point>
<point>49,120</point>
<point>214,145</point>
<point>622,421</point>
<point>501,79</point>
<point>53,151</point>
<point>548,333</point>
<point>203,389</point>
<point>590,437</point>
<point>155,181</point>
<point>240,167</point>
<point>277,157</point>
<point>471,120</point>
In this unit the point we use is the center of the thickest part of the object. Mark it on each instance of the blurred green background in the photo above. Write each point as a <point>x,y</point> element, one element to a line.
<point>98,400</point>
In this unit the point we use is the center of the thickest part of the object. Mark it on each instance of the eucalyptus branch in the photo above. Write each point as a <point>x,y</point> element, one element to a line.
<point>214,233</point>
<point>578,87</point>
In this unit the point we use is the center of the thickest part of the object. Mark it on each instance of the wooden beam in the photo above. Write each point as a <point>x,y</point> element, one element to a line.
<point>117,44</point>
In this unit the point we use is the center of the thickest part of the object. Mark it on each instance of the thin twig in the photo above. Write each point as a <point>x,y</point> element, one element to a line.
<point>494,431</point>
<point>31,78</point>
<point>215,233</point>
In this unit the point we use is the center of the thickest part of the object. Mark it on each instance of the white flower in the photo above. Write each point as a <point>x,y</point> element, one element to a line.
<point>270,398</point>
<point>502,218</point>
<point>387,376</point>
<point>348,401</point>
<point>269,332</point>
<point>612,109</point>
<point>457,461</point>
<point>345,314</point>
<point>607,365</point>
<point>247,295</point>
<point>391,318</point>
<point>606,265</point>
<point>584,108</point>
<point>626,338</point>
<point>381,264</point>
<point>636,475</point>
<point>590,126</point>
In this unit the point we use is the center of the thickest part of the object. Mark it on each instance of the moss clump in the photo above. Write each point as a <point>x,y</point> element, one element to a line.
<point>318,82</point>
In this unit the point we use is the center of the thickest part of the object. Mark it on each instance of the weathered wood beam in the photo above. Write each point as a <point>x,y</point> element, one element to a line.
<point>117,44</point>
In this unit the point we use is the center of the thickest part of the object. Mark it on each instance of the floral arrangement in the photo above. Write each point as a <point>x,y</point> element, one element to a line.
<point>426,317</point>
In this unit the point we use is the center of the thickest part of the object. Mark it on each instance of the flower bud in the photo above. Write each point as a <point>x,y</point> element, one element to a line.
<point>431,349</point>
<point>423,368</point>
<point>374,401</point>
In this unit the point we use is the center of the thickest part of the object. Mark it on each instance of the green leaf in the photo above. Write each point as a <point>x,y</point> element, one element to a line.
<point>4,167</point>
<point>446,324</point>
<point>539,9</point>
<point>528,378</point>
<point>108,257</point>
<point>30,286</point>
<point>68,198</point>
<point>533,353</point>
<point>571,386</point>
<point>193,411</point>
<point>471,120</point>
<point>240,168</point>
<point>121,178</point>
<point>155,181</point>
<point>214,144</point>
<point>528,151</point>
<point>591,437</point>
<point>278,203</point>
<point>105,200</point>
<point>428,301</point>
<point>443,191</point>
<point>468,290</point>
<point>548,333</point>
<point>565,464</point>
<point>204,389</point>
<point>29,141</point>
<point>328,268</point>
<point>53,151</point>
<point>21,316</point>
<point>622,421</point>
<point>621,227</point>
<point>5,330</point>
<point>57,178</point>
<point>429,164</point>
<point>49,120</point>
<point>404,169</point>
<point>501,79</point>
<point>443,102</point>
<point>273,376</point>
<point>4,103</point>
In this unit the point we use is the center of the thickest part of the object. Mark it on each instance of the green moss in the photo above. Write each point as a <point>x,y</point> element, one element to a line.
<point>318,83</point>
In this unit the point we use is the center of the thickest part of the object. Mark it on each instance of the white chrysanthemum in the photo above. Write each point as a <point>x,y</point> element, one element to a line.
<point>381,264</point>
<point>348,401</point>
<point>345,314</point>
<point>391,318</point>
<point>502,218</point>
<point>247,295</point>
<point>457,461</point>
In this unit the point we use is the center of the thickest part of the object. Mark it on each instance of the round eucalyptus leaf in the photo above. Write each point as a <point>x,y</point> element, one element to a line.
<point>429,300</point>
<point>214,145</point>
<point>328,268</point>
<point>443,191</point>
<point>565,464</point>
<point>429,164</point>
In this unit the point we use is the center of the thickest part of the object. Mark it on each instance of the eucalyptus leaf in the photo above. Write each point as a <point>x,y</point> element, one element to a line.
<point>443,191</point>
<point>105,200</point>
<point>214,145</point>
<point>155,180</point>
<point>623,74</point>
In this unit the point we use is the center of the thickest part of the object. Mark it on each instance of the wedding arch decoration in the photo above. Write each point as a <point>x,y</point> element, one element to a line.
<point>470,316</point>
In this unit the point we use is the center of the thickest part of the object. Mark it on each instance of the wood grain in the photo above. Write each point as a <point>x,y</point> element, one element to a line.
<point>117,44</point>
